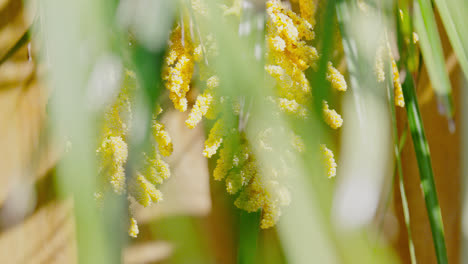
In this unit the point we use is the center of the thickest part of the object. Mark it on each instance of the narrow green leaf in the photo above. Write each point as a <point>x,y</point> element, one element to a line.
<point>431,47</point>
<point>248,236</point>
<point>24,38</point>
<point>453,14</point>
<point>426,174</point>
<point>397,152</point>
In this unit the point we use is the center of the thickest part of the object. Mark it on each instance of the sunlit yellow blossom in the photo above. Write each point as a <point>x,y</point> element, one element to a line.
<point>277,43</point>
<point>162,138</point>
<point>292,107</point>
<point>280,75</point>
<point>336,78</point>
<point>158,170</point>
<point>289,55</point>
<point>215,138</point>
<point>308,10</point>
<point>114,154</point>
<point>200,109</point>
<point>179,68</point>
<point>133,228</point>
<point>329,161</point>
<point>143,191</point>
<point>332,118</point>
<point>399,100</point>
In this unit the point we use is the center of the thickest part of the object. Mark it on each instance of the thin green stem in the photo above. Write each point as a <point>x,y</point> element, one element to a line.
<point>426,174</point>
<point>248,236</point>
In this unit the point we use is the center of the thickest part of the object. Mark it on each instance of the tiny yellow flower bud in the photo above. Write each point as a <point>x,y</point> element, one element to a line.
<point>332,118</point>
<point>329,161</point>
<point>292,107</point>
<point>163,139</point>
<point>133,228</point>
<point>399,100</point>
<point>215,138</point>
<point>336,78</point>
<point>200,109</point>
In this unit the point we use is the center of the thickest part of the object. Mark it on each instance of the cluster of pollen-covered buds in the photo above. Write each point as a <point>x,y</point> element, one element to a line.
<point>384,53</point>
<point>113,154</point>
<point>289,56</point>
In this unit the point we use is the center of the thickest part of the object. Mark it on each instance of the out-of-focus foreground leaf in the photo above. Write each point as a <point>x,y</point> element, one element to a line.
<point>453,14</point>
<point>431,47</point>
<point>426,174</point>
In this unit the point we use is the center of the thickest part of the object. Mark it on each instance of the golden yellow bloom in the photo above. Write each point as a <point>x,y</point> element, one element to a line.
<point>276,43</point>
<point>336,79</point>
<point>162,138</point>
<point>200,109</point>
<point>289,55</point>
<point>133,228</point>
<point>283,79</point>
<point>215,138</point>
<point>329,161</point>
<point>114,153</point>
<point>158,170</point>
<point>308,10</point>
<point>143,191</point>
<point>399,100</point>
<point>332,118</point>
<point>292,107</point>
<point>179,68</point>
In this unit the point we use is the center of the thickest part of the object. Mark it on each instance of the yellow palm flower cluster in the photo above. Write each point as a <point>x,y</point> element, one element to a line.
<point>384,52</point>
<point>399,99</point>
<point>290,55</point>
<point>113,154</point>
<point>204,106</point>
<point>256,190</point>
<point>329,161</point>
<point>179,66</point>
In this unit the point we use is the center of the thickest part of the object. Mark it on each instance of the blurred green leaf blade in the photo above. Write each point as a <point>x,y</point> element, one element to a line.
<point>426,173</point>
<point>453,14</point>
<point>431,47</point>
